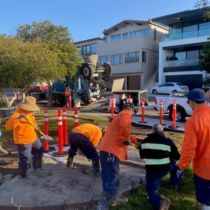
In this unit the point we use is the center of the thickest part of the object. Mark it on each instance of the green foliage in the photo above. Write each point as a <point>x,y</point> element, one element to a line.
<point>22,63</point>
<point>58,40</point>
<point>204,59</point>
<point>201,3</point>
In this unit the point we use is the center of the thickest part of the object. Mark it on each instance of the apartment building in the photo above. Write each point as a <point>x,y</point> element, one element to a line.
<point>131,46</point>
<point>179,51</point>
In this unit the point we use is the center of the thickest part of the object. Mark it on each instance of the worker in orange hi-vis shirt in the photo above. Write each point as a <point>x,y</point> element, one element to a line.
<point>22,123</point>
<point>85,137</point>
<point>196,146</point>
<point>113,149</point>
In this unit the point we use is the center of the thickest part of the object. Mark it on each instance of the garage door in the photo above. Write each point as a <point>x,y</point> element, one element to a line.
<point>193,81</point>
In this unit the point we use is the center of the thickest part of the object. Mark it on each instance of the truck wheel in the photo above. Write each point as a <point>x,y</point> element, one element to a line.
<point>154,91</point>
<point>180,114</point>
<point>86,71</point>
<point>107,71</point>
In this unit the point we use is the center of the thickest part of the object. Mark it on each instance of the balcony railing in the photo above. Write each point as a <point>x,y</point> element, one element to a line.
<point>187,34</point>
<point>190,62</point>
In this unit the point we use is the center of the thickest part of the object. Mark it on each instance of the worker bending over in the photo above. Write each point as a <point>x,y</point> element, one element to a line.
<point>85,138</point>
<point>22,123</point>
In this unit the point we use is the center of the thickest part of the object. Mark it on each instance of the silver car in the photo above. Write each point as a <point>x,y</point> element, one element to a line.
<point>170,87</point>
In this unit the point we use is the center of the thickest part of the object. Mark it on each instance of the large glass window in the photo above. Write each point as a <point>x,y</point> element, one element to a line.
<point>116,59</point>
<point>144,56</point>
<point>204,29</point>
<point>190,31</point>
<point>115,37</point>
<point>125,35</point>
<point>102,59</point>
<point>180,55</point>
<point>93,49</point>
<point>192,54</point>
<point>132,57</point>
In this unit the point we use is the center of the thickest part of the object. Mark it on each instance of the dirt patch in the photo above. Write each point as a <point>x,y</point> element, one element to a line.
<point>55,185</point>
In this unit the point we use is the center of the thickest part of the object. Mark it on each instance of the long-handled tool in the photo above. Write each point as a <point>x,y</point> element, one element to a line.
<point>43,136</point>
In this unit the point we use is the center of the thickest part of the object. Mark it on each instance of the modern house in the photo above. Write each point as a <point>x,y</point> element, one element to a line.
<point>131,47</point>
<point>179,51</point>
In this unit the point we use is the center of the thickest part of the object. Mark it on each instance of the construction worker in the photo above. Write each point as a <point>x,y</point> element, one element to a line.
<point>85,137</point>
<point>160,155</point>
<point>22,123</point>
<point>196,146</point>
<point>113,149</point>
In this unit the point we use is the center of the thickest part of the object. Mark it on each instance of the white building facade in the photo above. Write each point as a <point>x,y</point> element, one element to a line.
<point>131,47</point>
<point>179,51</point>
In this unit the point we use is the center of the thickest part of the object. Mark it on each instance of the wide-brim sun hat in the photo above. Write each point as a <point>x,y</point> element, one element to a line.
<point>197,95</point>
<point>29,104</point>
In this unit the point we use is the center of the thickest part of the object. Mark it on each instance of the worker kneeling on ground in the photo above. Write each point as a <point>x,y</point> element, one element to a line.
<point>23,124</point>
<point>86,138</point>
<point>159,154</point>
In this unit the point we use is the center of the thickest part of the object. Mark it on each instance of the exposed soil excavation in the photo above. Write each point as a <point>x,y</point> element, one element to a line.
<point>57,187</point>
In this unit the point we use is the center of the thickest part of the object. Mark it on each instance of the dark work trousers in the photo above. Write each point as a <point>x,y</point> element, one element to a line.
<point>79,141</point>
<point>25,151</point>
<point>110,174</point>
<point>202,189</point>
<point>153,183</point>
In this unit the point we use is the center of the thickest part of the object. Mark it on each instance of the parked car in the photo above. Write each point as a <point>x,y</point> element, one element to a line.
<point>170,87</point>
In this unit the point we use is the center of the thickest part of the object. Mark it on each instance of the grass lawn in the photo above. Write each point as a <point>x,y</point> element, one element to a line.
<point>182,200</point>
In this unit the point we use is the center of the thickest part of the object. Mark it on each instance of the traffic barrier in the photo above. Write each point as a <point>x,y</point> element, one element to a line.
<point>76,117</point>
<point>60,133</point>
<point>142,110</point>
<point>46,130</point>
<point>65,130</point>
<point>112,105</point>
<point>174,114</point>
<point>161,111</point>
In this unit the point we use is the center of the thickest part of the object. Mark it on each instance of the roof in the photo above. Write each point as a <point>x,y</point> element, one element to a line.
<point>130,22</point>
<point>88,40</point>
<point>187,15</point>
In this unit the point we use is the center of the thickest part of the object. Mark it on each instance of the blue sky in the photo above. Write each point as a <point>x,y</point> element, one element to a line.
<point>84,18</point>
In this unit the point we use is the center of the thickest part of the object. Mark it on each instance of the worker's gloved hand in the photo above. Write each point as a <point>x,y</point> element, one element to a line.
<point>126,142</point>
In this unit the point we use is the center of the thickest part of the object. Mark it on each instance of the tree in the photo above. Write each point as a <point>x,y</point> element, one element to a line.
<point>58,40</point>
<point>22,63</point>
<point>204,59</point>
<point>201,3</point>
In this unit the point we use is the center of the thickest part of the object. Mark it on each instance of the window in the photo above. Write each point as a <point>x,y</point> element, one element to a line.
<point>132,57</point>
<point>88,49</point>
<point>192,54</point>
<point>180,55</point>
<point>125,35</point>
<point>102,59</point>
<point>144,57</point>
<point>115,37</point>
<point>116,59</point>
<point>93,49</point>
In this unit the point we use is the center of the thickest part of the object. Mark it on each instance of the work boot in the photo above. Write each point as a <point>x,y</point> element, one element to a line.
<point>23,171</point>
<point>37,162</point>
<point>96,166</point>
<point>104,202</point>
<point>165,203</point>
<point>69,162</point>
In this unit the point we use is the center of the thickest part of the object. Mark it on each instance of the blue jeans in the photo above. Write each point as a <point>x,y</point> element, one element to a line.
<point>110,173</point>
<point>25,151</point>
<point>202,190</point>
<point>79,141</point>
<point>153,183</point>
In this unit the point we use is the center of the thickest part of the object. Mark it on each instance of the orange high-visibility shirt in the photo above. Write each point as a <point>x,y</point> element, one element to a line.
<point>92,132</point>
<point>116,134</point>
<point>23,131</point>
<point>196,145</point>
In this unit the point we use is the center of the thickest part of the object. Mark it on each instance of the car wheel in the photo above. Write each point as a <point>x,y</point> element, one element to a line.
<point>154,91</point>
<point>107,71</point>
<point>180,114</point>
<point>174,91</point>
